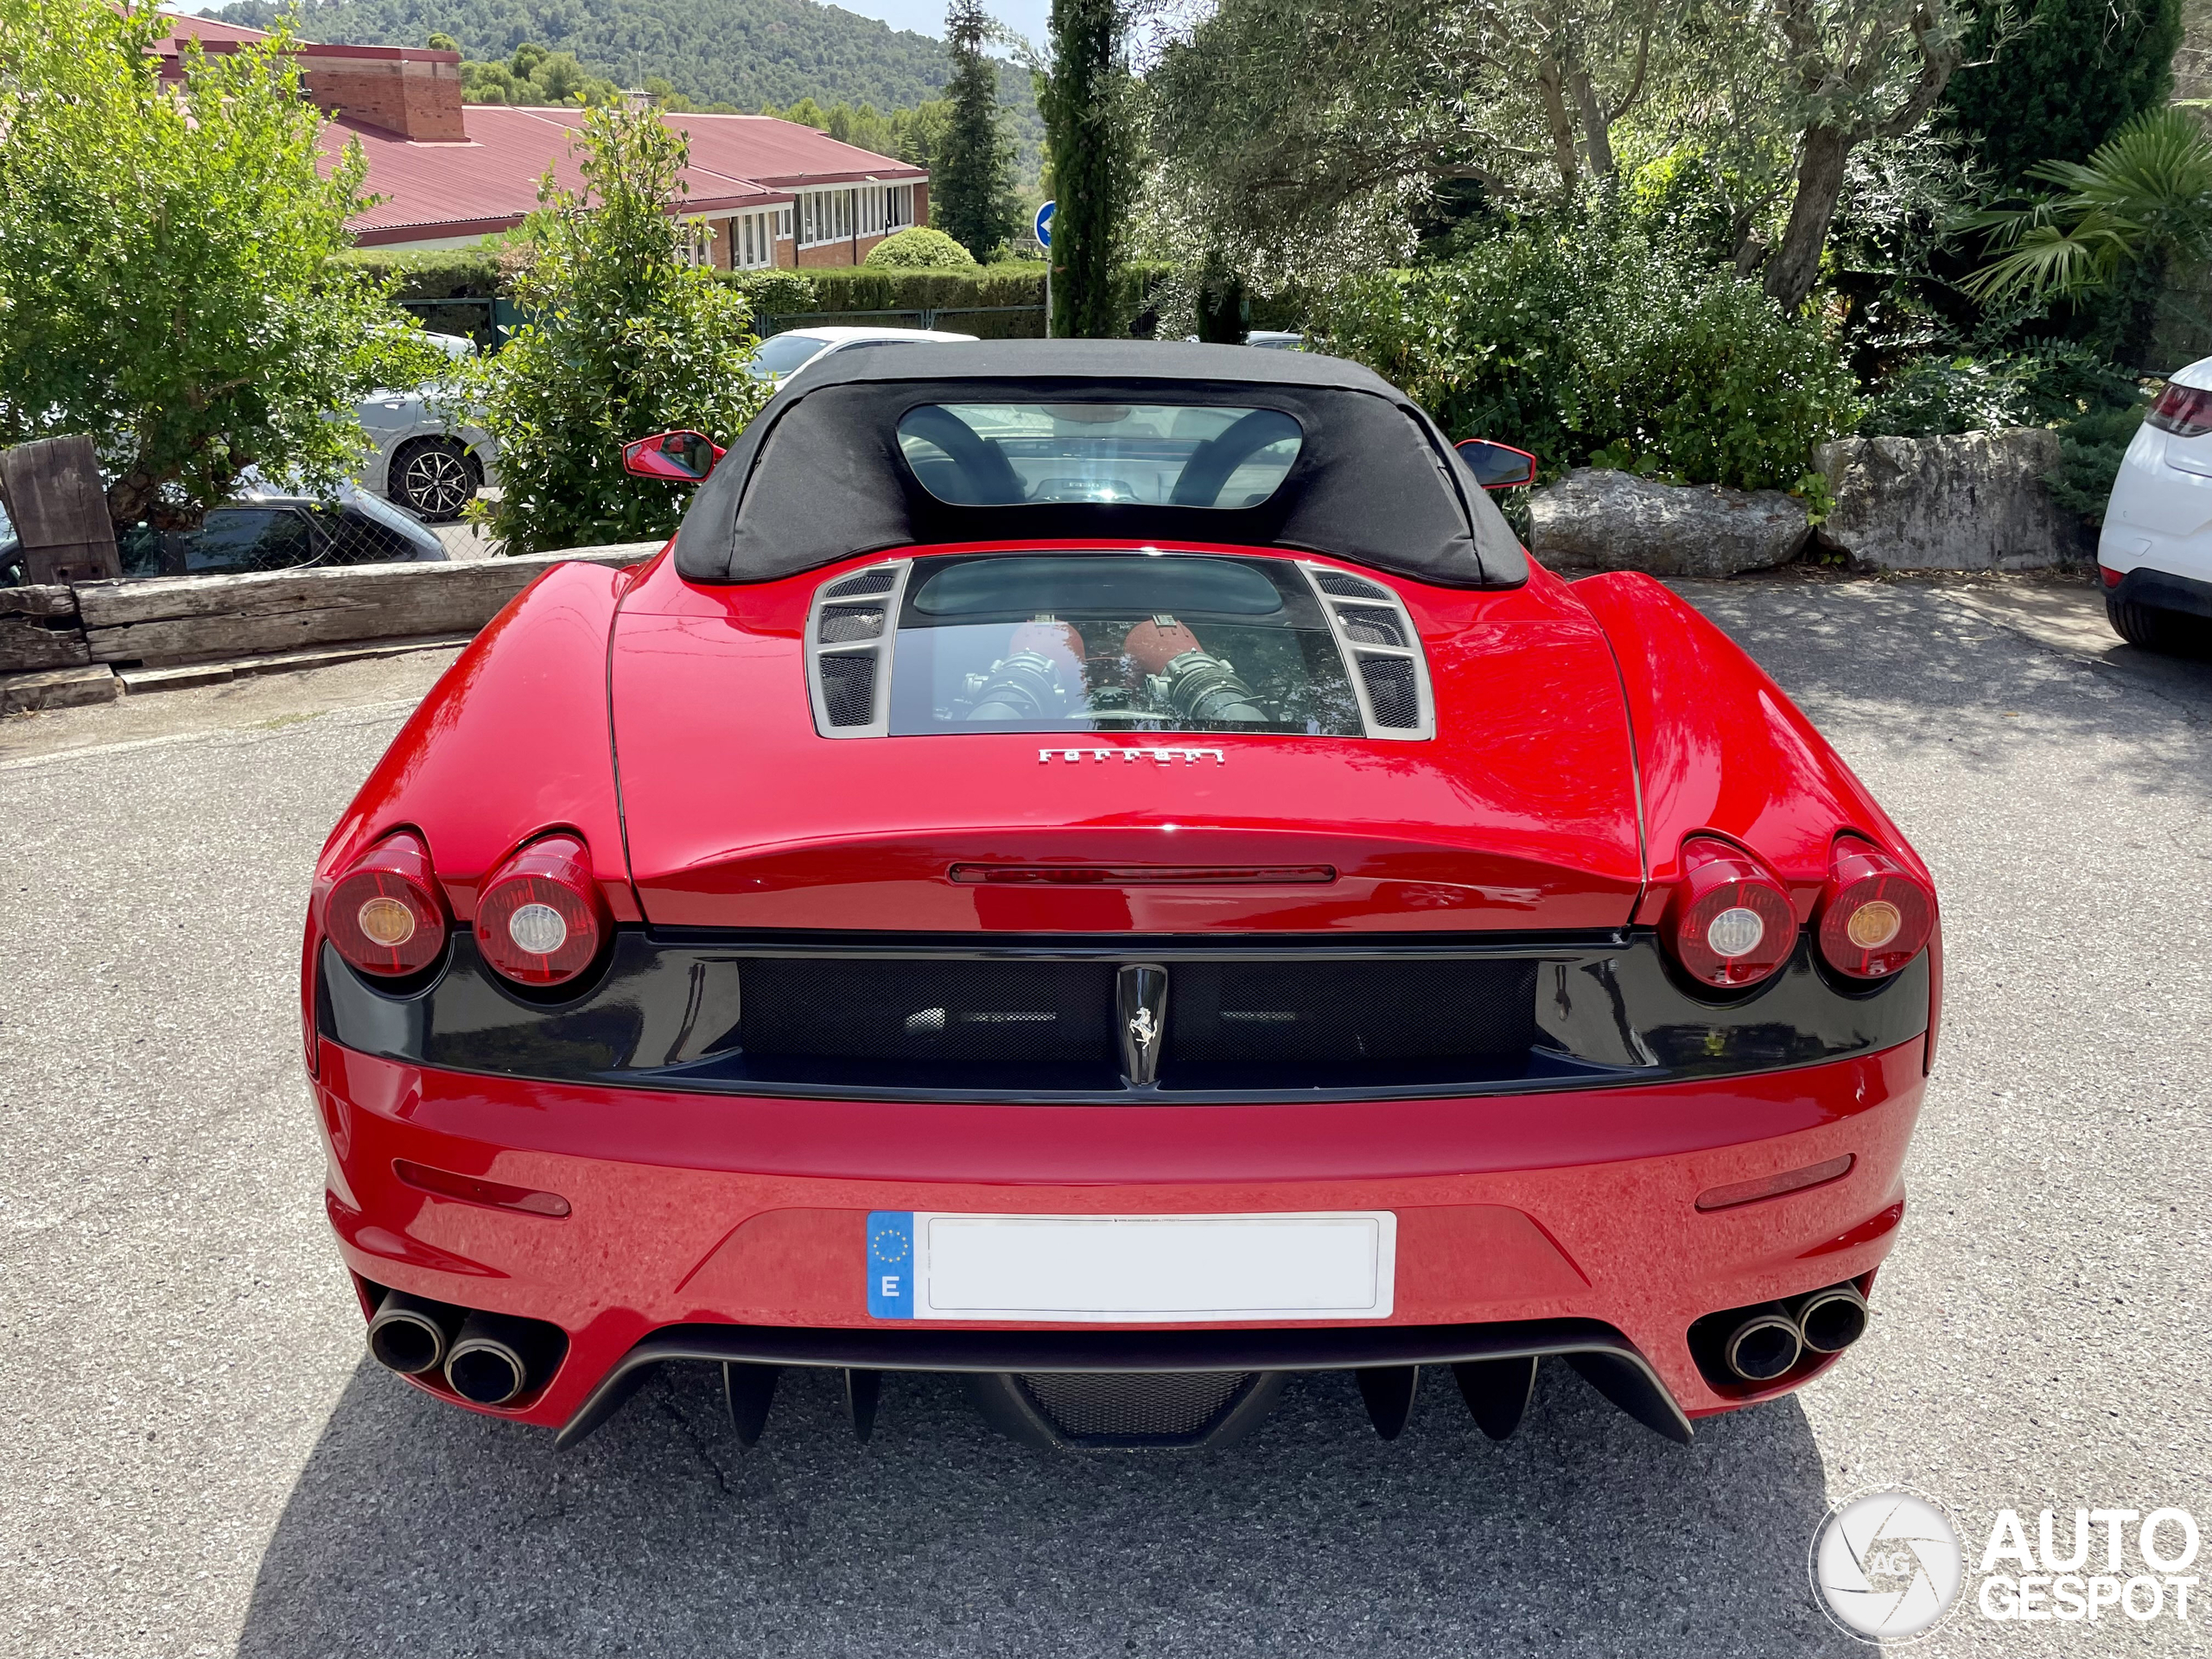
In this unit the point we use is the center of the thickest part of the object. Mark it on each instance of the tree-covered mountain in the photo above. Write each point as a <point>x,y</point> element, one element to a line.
<point>743,52</point>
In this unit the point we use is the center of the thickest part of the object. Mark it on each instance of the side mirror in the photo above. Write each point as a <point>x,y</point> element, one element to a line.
<point>672,457</point>
<point>1497,465</point>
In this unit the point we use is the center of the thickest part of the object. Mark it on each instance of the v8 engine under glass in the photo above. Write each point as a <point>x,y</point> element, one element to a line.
<point>1116,642</point>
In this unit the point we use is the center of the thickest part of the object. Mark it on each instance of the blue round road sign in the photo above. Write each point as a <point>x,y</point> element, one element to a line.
<point>1045,224</point>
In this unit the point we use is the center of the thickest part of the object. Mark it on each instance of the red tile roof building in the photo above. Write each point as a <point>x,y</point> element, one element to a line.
<point>773,193</point>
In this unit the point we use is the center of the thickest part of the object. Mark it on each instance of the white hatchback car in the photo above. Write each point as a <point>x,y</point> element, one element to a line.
<point>2156,549</point>
<point>781,356</point>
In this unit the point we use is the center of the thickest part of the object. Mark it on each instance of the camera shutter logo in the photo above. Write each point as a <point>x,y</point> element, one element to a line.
<point>1887,1565</point>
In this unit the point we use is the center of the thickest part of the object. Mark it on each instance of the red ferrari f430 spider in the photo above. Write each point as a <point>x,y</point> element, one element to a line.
<point>1104,868</point>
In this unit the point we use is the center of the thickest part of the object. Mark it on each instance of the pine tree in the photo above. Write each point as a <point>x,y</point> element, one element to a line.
<point>970,185</point>
<point>1087,133</point>
<point>2067,82</point>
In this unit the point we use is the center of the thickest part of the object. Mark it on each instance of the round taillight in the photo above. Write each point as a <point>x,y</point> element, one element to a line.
<point>1875,915</point>
<point>540,921</point>
<point>1731,922</point>
<point>386,915</point>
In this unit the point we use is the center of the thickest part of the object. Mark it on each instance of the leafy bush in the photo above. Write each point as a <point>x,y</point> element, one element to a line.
<point>1591,344</point>
<point>995,302</point>
<point>2044,385</point>
<point>2089,451</point>
<point>438,275</point>
<point>626,338</point>
<point>917,248</point>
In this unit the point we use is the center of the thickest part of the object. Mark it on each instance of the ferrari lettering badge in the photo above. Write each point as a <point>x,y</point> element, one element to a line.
<point>1129,757</point>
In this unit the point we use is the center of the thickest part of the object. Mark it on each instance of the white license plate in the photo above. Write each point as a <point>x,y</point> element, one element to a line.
<point>1324,1265</point>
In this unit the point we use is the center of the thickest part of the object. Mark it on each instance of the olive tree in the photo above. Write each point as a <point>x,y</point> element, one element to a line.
<point>165,274</point>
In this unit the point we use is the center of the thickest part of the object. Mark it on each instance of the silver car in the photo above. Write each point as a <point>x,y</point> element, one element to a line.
<point>425,454</point>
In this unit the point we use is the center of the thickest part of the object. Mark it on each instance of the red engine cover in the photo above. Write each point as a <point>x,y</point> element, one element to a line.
<point>1520,814</point>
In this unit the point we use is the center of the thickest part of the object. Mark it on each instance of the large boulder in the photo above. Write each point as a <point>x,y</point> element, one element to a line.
<point>1604,520</point>
<point>1973,502</point>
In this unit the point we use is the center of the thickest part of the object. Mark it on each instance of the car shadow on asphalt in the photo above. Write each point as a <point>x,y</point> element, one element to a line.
<point>418,1527</point>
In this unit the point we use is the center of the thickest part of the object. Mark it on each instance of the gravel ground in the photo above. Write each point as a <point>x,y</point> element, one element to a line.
<point>199,1460</point>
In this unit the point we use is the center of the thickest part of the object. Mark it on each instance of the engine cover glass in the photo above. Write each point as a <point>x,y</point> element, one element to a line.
<point>1106,642</point>
<point>1149,455</point>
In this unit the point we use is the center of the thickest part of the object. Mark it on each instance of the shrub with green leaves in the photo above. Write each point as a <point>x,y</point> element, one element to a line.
<point>165,282</point>
<point>1591,342</point>
<point>627,338</point>
<point>1966,391</point>
<point>917,248</point>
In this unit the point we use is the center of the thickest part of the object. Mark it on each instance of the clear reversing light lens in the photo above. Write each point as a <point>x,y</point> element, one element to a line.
<point>537,929</point>
<point>1735,932</point>
<point>540,921</point>
<point>1732,921</point>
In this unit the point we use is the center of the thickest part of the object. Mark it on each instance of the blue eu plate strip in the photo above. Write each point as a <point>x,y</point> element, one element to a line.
<point>891,1264</point>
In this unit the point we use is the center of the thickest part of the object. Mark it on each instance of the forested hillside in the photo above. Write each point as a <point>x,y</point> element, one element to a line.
<point>743,52</point>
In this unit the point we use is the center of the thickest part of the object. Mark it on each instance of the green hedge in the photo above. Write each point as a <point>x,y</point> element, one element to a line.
<point>969,301</point>
<point>443,275</point>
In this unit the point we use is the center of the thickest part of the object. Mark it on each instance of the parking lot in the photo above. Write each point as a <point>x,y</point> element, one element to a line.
<point>197,1456</point>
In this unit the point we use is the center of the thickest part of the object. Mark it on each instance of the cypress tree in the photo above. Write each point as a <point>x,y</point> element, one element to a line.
<point>968,186</point>
<point>1084,102</point>
<point>2066,82</point>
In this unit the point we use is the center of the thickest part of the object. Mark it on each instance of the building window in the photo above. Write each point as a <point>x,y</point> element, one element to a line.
<point>783,225</point>
<point>753,240</point>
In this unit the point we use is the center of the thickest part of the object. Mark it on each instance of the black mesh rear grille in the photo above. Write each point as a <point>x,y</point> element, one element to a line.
<point>1371,624</point>
<point>1390,690</point>
<point>1329,1021</point>
<point>1295,1023</point>
<point>1135,1407</point>
<point>995,1024</point>
<point>869,581</point>
<point>1348,586</point>
<point>848,686</point>
<point>841,623</point>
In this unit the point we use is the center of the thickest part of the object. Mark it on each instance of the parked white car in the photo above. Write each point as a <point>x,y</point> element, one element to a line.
<point>781,356</point>
<point>424,456</point>
<point>2156,549</point>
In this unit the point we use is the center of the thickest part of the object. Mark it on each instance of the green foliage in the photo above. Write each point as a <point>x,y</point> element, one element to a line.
<point>971,191</point>
<point>740,54</point>
<point>917,248</point>
<point>430,275</point>
<point>997,301</point>
<point>537,77</point>
<point>2089,453</point>
<point>1087,97</point>
<point>1587,344</point>
<point>165,283</point>
<point>2079,71</point>
<point>628,339</point>
<point>2143,197</point>
<point>2042,386</point>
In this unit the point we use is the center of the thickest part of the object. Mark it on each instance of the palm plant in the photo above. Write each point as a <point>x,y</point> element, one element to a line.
<point>2144,196</point>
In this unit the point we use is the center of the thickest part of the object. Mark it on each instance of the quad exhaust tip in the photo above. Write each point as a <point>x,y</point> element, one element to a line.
<point>1761,1345</point>
<point>488,1359</point>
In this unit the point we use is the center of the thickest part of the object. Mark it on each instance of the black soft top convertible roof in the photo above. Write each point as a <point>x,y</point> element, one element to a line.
<point>817,476</point>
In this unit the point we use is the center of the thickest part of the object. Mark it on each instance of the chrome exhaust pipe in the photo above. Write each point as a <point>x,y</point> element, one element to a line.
<point>1763,1345</point>
<point>412,1334</point>
<point>1831,1320</point>
<point>490,1362</point>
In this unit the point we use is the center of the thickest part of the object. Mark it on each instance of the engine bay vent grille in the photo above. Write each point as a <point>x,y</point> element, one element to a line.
<point>878,580</point>
<point>1378,639</point>
<point>847,650</point>
<point>1389,685</point>
<point>1335,583</point>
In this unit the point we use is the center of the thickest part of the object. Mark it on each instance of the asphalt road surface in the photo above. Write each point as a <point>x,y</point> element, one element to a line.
<point>196,1457</point>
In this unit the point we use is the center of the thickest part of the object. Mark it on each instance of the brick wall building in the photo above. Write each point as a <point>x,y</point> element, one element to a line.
<point>767,192</point>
